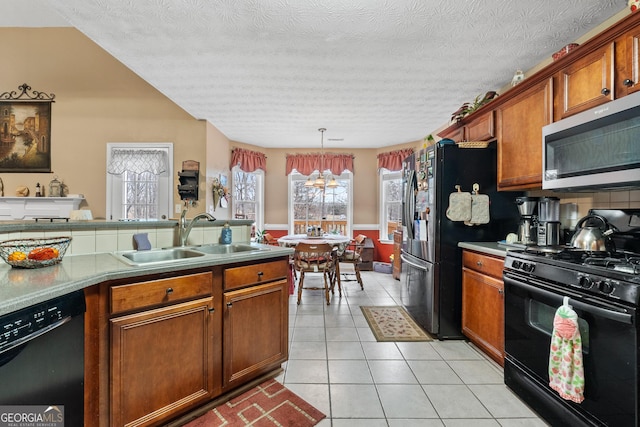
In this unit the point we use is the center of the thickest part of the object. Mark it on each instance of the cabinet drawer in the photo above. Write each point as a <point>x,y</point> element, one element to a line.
<point>484,264</point>
<point>238,277</point>
<point>158,292</point>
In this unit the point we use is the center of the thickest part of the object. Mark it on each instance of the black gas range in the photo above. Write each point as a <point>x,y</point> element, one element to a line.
<point>603,288</point>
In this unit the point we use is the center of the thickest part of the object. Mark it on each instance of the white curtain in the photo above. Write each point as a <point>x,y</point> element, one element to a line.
<point>137,161</point>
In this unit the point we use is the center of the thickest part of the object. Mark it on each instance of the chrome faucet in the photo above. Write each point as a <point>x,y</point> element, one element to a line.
<point>185,228</point>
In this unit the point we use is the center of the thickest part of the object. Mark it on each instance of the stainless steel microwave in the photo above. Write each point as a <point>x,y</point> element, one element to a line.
<point>596,149</point>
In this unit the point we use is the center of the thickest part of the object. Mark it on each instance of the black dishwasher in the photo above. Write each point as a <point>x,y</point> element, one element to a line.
<point>42,361</point>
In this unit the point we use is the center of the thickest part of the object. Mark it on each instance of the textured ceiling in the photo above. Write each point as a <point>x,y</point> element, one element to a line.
<point>373,72</point>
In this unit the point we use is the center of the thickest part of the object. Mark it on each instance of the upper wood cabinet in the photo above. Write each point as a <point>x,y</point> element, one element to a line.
<point>627,79</point>
<point>476,128</point>
<point>480,128</point>
<point>586,82</point>
<point>519,130</point>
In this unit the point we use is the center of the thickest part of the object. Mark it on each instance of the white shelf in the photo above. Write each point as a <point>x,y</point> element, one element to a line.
<point>12,208</point>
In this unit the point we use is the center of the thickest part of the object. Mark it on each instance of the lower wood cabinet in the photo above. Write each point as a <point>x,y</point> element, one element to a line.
<point>161,363</point>
<point>483,303</point>
<point>255,331</point>
<point>162,352</point>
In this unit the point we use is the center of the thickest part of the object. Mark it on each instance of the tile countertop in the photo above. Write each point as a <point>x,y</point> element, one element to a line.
<point>490,248</point>
<point>20,288</point>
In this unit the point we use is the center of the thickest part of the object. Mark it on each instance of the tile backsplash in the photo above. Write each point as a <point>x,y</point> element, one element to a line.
<point>626,199</point>
<point>87,241</point>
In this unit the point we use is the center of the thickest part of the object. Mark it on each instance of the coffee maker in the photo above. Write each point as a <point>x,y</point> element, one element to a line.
<point>548,221</point>
<point>528,227</point>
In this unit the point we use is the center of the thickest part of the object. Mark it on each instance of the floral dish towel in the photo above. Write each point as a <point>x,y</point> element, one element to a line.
<point>566,371</point>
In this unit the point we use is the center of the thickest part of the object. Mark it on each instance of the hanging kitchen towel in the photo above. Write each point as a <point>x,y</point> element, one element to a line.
<point>459,206</point>
<point>566,372</point>
<point>479,207</point>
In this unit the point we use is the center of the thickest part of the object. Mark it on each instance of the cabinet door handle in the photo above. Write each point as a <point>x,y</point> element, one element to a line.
<point>479,263</point>
<point>211,310</point>
<point>628,82</point>
<point>501,291</point>
<point>229,304</point>
<point>169,291</point>
<point>260,273</point>
<point>605,91</point>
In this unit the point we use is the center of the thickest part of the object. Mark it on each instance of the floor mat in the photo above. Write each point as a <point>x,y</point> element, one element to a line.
<point>393,323</point>
<point>268,404</point>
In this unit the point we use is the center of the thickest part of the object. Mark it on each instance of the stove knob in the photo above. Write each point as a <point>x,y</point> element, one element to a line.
<point>528,267</point>
<point>585,282</point>
<point>516,264</point>
<point>605,287</point>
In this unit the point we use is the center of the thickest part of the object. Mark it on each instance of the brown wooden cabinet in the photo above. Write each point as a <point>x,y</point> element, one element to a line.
<point>367,255</point>
<point>255,322</point>
<point>520,121</point>
<point>476,128</point>
<point>397,248</point>
<point>586,82</point>
<point>483,303</point>
<point>627,63</point>
<point>162,358</point>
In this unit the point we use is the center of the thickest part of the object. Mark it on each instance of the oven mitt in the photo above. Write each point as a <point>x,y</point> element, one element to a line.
<point>566,372</point>
<point>479,207</point>
<point>459,206</point>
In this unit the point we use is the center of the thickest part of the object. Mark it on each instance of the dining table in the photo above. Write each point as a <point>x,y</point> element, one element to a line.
<point>338,241</point>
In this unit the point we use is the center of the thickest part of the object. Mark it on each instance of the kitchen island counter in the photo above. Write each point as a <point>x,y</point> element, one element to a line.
<point>20,288</point>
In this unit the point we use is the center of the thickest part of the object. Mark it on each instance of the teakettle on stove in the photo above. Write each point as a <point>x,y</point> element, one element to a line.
<point>593,234</point>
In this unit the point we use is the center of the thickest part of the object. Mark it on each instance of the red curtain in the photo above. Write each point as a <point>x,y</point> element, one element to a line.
<point>392,160</point>
<point>306,164</point>
<point>247,160</point>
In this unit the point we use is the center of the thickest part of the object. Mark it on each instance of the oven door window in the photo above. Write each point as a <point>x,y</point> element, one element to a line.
<point>540,316</point>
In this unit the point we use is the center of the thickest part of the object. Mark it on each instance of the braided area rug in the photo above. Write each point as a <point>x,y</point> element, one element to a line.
<point>268,404</point>
<point>393,323</point>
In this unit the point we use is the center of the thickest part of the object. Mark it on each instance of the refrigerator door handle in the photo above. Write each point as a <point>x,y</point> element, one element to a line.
<point>410,204</point>
<point>413,264</point>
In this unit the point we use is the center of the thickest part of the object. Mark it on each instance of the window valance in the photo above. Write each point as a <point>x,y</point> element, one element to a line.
<point>392,160</point>
<point>306,164</point>
<point>137,161</point>
<point>247,160</point>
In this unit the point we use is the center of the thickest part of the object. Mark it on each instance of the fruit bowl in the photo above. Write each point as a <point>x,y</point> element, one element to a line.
<point>34,253</point>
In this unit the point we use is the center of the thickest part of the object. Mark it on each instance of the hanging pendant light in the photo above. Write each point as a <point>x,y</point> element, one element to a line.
<point>333,183</point>
<point>319,181</point>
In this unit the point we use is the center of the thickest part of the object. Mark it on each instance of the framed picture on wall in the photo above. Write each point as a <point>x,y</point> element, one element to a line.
<point>25,131</point>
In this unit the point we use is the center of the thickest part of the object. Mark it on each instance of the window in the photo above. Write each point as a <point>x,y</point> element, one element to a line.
<point>139,184</point>
<point>329,208</point>
<point>390,202</point>
<point>248,195</point>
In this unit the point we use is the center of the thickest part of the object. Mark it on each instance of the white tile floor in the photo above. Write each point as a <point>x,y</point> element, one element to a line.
<point>336,364</point>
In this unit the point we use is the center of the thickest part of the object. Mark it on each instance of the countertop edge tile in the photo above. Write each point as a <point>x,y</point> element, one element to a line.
<point>491,248</point>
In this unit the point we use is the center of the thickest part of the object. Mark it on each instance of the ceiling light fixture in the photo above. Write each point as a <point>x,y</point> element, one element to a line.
<point>320,182</point>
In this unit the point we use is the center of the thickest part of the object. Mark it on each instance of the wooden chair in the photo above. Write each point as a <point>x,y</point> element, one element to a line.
<point>268,239</point>
<point>353,255</point>
<point>315,258</point>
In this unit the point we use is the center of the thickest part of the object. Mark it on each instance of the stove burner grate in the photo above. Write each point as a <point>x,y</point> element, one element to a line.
<point>627,263</point>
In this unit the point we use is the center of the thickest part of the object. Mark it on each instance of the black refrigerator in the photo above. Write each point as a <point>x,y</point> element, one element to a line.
<point>431,275</point>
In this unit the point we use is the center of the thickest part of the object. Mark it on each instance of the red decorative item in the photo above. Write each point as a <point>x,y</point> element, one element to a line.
<point>634,5</point>
<point>562,52</point>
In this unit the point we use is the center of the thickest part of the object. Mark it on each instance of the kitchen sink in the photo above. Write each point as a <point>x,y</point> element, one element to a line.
<point>157,255</point>
<point>226,249</point>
